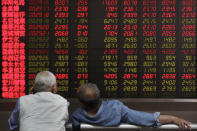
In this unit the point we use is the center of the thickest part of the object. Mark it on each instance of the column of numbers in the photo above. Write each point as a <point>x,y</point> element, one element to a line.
<point>61,51</point>
<point>130,47</point>
<point>81,58</point>
<point>168,48</point>
<point>110,56</point>
<point>149,47</point>
<point>38,38</point>
<point>188,48</point>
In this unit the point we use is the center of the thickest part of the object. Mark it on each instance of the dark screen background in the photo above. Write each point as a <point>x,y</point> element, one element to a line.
<point>129,48</point>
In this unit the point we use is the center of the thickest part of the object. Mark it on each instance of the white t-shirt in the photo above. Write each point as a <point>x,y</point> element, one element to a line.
<point>43,111</point>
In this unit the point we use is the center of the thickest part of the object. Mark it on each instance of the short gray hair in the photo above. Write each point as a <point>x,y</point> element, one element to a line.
<point>44,81</point>
<point>87,100</point>
<point>87,86</point>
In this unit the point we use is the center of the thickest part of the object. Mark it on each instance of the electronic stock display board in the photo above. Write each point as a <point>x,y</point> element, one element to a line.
<point>129,48</point>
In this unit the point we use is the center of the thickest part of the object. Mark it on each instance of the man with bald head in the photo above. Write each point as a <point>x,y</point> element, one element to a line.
<point>43,110</point>
<point>113,112</point>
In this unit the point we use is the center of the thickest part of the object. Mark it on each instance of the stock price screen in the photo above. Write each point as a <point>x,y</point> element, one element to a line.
<point>129,48</point>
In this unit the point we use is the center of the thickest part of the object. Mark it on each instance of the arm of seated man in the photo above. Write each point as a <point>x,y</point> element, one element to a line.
<point>139,117</point>
<point>168,119</point>
<point>151,119</point>
<point>75,124</point>
<point>13,120</point>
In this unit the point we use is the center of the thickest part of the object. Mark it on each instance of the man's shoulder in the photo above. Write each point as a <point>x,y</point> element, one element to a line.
<point>113,101</point>
<point>26,97</point>
<point>59,97</point>
<point>77,112</point>
<point>115,104</point>
<point>45,95</point>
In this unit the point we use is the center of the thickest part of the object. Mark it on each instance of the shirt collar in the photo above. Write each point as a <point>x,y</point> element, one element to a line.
<point>98,112</point>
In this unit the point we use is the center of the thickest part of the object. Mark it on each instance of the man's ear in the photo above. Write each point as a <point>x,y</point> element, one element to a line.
<point>54,89</point>
<point>32,90</point>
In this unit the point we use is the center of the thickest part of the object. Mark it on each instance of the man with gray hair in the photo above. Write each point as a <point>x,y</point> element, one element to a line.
<point>43,110</point>
<point>113,112</point>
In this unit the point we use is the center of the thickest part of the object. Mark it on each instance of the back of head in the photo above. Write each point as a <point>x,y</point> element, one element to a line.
<point>44,81</point>
<point>89,95</point>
